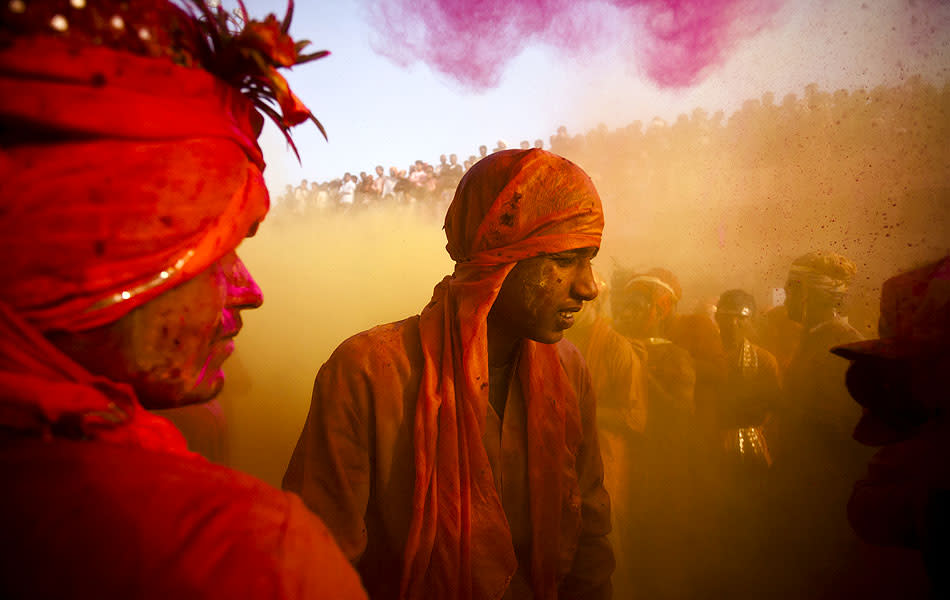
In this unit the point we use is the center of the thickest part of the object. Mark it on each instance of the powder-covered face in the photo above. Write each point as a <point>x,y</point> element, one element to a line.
<point>541,295</point>
<point>172,348</point>
<point>637,314</point>
<point>735,325</point>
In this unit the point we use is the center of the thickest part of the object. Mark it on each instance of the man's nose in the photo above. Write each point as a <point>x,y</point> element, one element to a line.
<point>585,286</point>
<point>243,291</point>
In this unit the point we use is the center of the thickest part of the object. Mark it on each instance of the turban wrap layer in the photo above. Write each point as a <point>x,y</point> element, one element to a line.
<point>511,206</point>
<point>135,174</point>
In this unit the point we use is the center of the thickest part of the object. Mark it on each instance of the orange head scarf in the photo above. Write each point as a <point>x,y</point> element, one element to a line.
<point>127,169</point>
<point>510,206</point>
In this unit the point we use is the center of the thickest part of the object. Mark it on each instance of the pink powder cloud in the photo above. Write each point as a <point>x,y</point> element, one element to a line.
<point>673,42</point>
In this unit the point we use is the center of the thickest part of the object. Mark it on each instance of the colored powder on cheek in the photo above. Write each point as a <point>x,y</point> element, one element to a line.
<point>675,41</point>
<point>536,290</point>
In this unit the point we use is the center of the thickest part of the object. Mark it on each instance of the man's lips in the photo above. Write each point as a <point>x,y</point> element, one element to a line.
<point>566,316</point>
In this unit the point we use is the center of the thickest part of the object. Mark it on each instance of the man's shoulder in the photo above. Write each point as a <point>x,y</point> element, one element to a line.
<point>387,344</point>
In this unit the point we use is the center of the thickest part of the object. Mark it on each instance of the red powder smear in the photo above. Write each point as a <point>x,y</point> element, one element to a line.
<point>674,41</point>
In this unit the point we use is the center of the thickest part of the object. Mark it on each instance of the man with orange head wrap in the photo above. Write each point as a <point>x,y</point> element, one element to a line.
<point>454,454</point>
<point>129,174</point>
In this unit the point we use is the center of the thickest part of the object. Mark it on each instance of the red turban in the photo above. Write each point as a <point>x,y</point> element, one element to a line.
<point>130,169</point>
<point>155,170</point>
<point>512,205</point>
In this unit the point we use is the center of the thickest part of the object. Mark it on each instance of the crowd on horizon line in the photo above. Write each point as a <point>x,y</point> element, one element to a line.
<point>816,125</point>
<point>421,184</point>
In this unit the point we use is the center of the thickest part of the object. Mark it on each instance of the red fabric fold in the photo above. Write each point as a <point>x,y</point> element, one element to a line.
<point>510,206</point>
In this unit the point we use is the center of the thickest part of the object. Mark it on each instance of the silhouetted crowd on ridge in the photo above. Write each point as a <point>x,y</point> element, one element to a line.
<point>423,186</point>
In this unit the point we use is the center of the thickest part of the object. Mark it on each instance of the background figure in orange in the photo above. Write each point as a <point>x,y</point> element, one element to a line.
<point>646,306</point>
<point>816,459</point>
<point>620,385</point>
<point>778,334</point>
<point>455,454</point>
<point>699,335</point>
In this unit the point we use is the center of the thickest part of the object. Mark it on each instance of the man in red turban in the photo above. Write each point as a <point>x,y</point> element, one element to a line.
<point>130,173</point>
<point>454,454</point>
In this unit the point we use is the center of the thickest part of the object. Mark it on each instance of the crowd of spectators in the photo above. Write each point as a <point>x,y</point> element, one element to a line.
<point>860,171</point>
<point>423,186</point>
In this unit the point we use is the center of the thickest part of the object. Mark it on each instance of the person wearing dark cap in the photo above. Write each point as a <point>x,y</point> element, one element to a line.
<point>129,173</point>
<point>900,381</point>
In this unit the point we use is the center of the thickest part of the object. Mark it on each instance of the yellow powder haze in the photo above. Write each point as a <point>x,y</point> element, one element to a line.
<point>325,277</point>
<point>723,201</point>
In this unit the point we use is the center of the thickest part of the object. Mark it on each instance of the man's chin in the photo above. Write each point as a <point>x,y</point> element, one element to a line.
<point>205,390</point>
<point>549,337</point>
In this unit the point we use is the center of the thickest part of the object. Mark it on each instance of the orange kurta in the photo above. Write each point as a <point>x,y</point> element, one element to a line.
<point>457,541</point>
<point>354,464</point>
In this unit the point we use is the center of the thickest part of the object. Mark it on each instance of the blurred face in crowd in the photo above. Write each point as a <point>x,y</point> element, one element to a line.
<point>735,324</point>
<point>541,296</point>
<point>172,348</point>
<point>638,313</point>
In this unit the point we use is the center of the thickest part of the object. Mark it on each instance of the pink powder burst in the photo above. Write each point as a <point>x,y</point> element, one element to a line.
<point>675,42</point>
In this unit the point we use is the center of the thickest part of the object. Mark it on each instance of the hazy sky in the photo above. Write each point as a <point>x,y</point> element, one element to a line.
<point>379,112</point>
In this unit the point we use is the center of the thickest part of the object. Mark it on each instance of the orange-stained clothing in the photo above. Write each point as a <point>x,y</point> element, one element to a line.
<point>779,335</point>
<point>817,401</point>
<point>617,374</point>
<point>619,380</point>
<point>354,466</point>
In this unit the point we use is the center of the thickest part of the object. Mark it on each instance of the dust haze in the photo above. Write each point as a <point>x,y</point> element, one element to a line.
<point>724,201</point>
